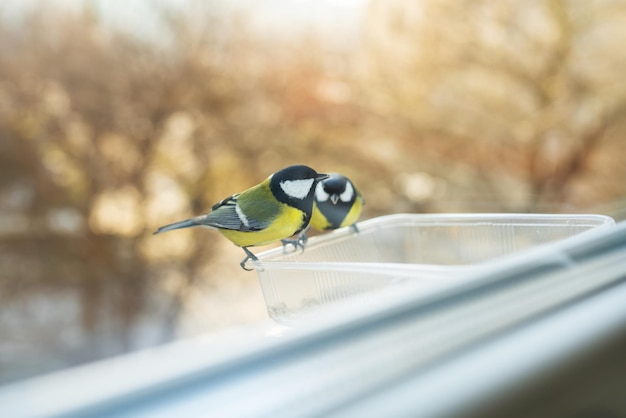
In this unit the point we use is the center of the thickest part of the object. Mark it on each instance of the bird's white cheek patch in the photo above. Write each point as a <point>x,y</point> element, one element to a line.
<point>346,196</point>
<point>320,194</point>
<point>297,188</point>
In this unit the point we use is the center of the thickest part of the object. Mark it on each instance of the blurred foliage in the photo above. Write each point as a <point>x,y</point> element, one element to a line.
<point>438,106</point>
<point>527,97</point>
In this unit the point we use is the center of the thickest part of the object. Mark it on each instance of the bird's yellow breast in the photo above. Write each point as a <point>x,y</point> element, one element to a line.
<point>320,222</point>
<point>288,222</point>
<point>353,214</point>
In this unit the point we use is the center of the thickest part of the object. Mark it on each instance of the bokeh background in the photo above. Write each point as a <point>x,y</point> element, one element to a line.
<point>118,117</point>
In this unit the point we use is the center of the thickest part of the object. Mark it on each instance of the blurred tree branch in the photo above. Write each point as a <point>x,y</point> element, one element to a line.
<point>512,85</point>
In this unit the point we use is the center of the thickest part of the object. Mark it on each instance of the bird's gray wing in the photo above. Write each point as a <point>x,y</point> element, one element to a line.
<point>228,215</point>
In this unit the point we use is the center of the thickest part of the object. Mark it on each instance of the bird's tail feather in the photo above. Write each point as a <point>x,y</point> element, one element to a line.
<point>176,225</point>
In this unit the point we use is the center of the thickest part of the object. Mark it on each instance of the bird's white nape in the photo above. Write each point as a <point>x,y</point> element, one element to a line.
<point>297,189</point>
<point>347,195</point>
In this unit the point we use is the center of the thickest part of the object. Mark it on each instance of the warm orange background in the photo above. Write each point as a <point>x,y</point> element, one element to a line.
<point>432,106</point>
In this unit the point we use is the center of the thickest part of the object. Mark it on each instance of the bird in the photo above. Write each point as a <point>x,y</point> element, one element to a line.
<point>277,208</point>
<point>337,203</point>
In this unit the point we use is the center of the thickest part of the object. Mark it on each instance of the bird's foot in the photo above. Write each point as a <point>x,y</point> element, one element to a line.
<point>299,242</point>
<point>249,256</point>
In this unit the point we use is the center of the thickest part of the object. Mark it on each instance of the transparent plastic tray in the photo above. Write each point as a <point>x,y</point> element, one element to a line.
<point>430,250</point>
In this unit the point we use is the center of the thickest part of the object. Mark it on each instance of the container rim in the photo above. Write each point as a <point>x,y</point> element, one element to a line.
<point>265,259</point>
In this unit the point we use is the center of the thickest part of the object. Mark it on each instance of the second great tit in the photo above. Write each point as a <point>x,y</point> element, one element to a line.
<point>337,203</point>
<point>277,208</point>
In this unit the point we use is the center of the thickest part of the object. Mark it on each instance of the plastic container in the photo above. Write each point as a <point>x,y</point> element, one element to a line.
<point>430,250</point>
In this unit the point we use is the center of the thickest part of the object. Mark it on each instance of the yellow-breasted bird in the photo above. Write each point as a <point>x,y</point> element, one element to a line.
<point>277,208</point>
<point>337,203</point>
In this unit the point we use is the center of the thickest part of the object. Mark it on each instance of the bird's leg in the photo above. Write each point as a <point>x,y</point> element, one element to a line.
<point>355,228</point>
<point>300,241</point>
<point>249,256</point>
<point>303,238</point>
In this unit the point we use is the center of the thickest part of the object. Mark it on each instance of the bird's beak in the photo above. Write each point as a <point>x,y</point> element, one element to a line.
<point>334,198</point>
<point>321,176</point>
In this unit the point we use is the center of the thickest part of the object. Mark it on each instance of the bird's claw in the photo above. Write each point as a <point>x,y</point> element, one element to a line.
<point>243,264</point>
<point>249,256</point>
<point>295,242</point>
<point>299,242</point>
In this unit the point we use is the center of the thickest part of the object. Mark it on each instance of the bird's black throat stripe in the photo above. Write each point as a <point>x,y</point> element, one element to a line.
<point>306,218</point>
<point>335,214</point>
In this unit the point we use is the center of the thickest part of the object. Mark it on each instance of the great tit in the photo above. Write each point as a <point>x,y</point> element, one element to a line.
<point>337,203</point>
<point>277,208</point>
